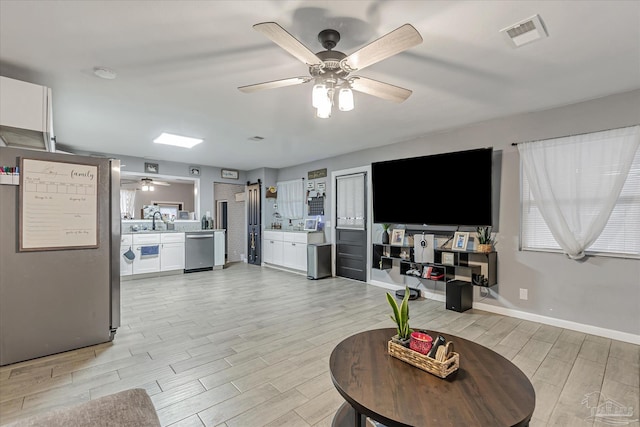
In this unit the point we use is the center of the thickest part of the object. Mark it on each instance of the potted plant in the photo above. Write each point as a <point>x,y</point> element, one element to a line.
<point>401,318</point>
<point>485,240</point>
<point>385,233</point>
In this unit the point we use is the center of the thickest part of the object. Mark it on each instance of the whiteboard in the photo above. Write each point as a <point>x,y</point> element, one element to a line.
<point>58,205</point>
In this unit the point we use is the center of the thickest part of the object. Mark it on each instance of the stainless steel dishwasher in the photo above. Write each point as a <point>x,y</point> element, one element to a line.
<point>198,251</point>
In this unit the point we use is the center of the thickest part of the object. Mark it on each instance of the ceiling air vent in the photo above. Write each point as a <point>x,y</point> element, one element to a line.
<point>523,32</point>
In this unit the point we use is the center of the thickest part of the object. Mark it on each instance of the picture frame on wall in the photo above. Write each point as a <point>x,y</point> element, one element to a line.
<point>229,173</point>
<point>460,239</point>
<point>397,236</point>
<point>151,168</point>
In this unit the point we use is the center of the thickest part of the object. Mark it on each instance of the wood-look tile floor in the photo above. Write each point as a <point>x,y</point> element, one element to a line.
<point>249,346</point>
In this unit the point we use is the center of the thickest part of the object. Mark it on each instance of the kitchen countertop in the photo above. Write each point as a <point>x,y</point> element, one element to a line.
<point>292,231</point>
<point>169,231</point>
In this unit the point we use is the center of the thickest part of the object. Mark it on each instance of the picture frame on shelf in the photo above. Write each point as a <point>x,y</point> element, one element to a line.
<point>460,239</point>
<point>448,258</point>
<point>397,236</point>
<point>311,224</point>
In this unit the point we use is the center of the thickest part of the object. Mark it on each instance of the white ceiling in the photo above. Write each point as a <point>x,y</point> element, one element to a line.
<point>179,64</point>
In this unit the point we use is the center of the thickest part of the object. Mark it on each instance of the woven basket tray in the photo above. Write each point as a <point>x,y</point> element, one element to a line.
<point>421,361</point>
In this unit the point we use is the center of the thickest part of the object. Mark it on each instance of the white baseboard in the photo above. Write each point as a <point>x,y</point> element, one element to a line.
<point>566,324</point>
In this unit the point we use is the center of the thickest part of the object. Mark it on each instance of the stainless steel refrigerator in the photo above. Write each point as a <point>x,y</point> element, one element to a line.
<point>59,298</point>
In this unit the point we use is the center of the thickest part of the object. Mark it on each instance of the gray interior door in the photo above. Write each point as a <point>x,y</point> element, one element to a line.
<point>254,224</point>
<point>351,231</point>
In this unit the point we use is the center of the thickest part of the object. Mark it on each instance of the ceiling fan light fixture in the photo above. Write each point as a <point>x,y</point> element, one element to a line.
<point>345,99</point>
<point>324,109</point>
<point>145,188</point>
<point>318,94</point>
<point>177,140</point>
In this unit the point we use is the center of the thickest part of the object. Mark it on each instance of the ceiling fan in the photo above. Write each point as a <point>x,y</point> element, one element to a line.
<point>331,70</point>
<point>146,183</point>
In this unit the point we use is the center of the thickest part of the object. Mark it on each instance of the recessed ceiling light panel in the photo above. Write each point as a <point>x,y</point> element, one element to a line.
<point>177,140</point>
<point>524,32</point>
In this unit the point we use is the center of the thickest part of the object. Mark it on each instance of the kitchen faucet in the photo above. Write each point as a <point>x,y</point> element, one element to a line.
<point>153,219</point>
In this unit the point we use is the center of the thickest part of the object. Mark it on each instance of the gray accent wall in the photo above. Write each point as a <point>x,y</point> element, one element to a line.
<point>601,292</point>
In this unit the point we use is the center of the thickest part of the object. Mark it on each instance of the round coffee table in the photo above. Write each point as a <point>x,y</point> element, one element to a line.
<point>486,390</point>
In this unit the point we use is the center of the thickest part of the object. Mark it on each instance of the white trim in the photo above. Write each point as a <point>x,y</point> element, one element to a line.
<point>566,324</point>
<point>175,178</point>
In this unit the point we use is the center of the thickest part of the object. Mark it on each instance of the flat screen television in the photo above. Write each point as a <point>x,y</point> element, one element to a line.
<point>442,189</point>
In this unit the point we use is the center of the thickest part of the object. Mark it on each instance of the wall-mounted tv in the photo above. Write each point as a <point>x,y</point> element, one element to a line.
<point>442,189</point>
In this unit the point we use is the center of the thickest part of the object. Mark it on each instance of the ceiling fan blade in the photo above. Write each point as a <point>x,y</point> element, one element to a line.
<point>380,89</point>
<point>396,41</point>
<point>154,182</point>
<point>274,84</point>
<point>282,38</point>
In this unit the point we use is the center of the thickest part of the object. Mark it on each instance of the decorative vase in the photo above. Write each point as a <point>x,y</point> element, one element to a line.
<point>485,248</point>
<point>385,237</point>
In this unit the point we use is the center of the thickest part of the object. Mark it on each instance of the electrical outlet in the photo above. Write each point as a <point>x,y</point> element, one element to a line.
<point>524,294</point>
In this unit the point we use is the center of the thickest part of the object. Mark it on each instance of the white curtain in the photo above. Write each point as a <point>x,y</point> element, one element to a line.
<point>350,209</point>
<point>127,200</point>
<point>576,180</point>
<point>291,199</point>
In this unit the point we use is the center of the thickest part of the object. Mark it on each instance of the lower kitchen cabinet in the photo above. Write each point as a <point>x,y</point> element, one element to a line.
<point>172,251</point>
<point>169,257</point>
<point>219,258</point>
<point>126,265</point>
<point>288,249</point>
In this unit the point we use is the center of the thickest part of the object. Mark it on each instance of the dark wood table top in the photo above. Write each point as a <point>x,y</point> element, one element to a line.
<point>486,390</point>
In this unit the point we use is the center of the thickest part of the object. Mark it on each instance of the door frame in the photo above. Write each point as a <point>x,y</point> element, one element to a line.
<point>369,208</point>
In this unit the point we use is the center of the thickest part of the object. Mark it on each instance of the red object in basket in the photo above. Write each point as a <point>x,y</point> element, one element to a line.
<point>420,342</point>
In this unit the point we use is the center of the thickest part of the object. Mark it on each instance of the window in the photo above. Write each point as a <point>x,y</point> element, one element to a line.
<point>350,190</point>
<point>621,234</point>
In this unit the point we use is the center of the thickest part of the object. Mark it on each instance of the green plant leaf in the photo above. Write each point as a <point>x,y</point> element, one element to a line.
<point>404,314</point>
<point>396,310</point>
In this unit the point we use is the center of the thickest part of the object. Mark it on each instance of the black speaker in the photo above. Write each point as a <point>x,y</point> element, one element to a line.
<point>459,296</point>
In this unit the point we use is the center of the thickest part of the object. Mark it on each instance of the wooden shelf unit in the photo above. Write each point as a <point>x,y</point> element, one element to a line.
<point>467,266</point>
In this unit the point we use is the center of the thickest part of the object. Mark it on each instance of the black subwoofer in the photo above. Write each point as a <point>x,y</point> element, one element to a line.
<point>459,296</point>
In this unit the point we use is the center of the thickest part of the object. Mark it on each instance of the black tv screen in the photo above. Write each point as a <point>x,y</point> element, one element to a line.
<point>442,189</point>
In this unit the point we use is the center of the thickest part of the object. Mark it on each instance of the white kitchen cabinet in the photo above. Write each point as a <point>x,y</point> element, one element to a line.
<point>218,249</point>
<point>147,263</point>
<point>126,265</point>
<point>295,251</point>
<point>171,251</point>
<point>26,107</point>
<point>270,246</point>
<point>288,249</point>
